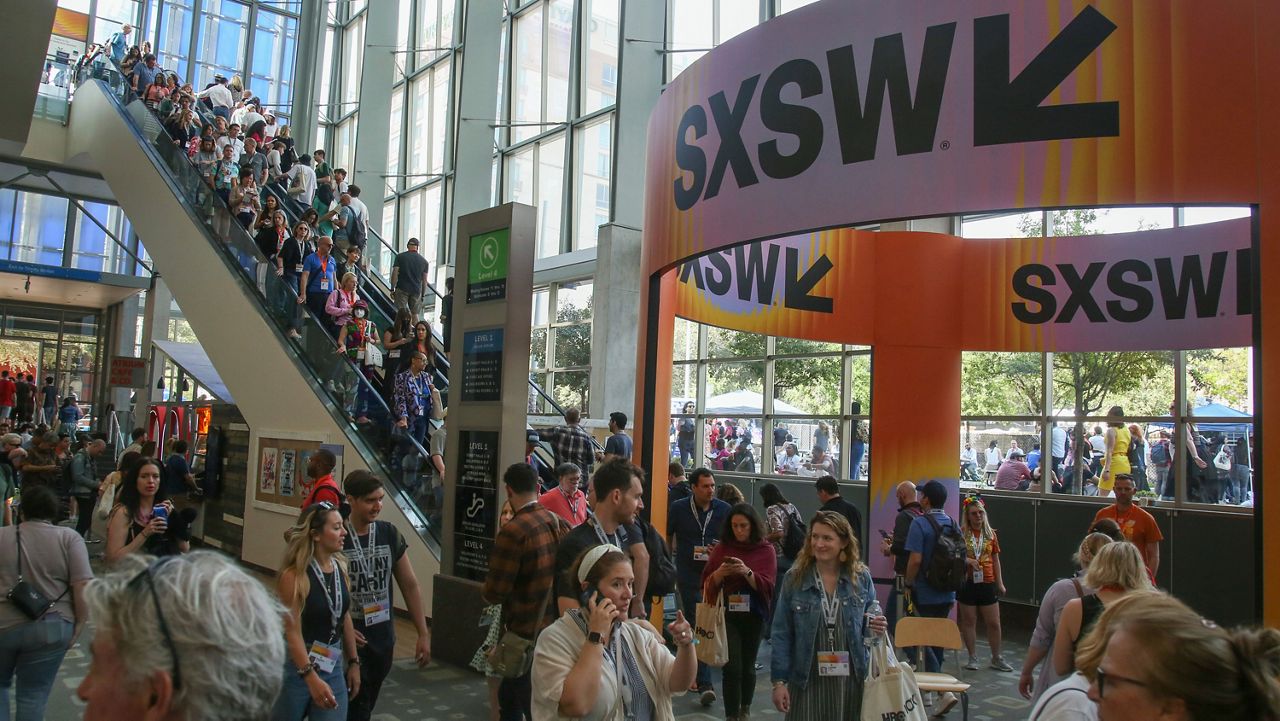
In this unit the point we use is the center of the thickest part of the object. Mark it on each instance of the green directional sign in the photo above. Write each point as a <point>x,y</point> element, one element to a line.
<point>487,266</point>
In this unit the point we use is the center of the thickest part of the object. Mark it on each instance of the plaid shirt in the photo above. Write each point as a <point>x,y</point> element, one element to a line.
<point>522,568</point>
<point>572,445</point>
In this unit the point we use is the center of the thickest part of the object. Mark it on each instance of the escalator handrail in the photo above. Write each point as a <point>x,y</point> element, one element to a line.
<point>227,251</point>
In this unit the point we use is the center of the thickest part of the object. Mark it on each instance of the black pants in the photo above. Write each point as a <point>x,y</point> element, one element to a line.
<point>85,506</point>
<point>515,699</point>
<point>743,631</point>
<point>375,664</point>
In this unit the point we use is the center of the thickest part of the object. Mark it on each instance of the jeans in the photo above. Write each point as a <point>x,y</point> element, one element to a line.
<point>743,631</point>
<point>85,505</point>
<point>375,664</point>
<point>33,651</point>
<point>857,450</point>
<point>515,699</point>
<point>933,654</point>
<point>690,595</point>
<point>294,702</point>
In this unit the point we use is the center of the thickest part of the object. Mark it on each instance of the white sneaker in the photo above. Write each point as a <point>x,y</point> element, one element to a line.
<point>928,697</point>
<point>973,664</point>
<point>946,702</point>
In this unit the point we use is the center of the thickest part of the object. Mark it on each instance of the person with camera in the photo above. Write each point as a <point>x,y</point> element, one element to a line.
<point>593,663</point>
<point>45,567</point>
<point>742,570</point>
<point>322,668</point>
<point>140,521</point>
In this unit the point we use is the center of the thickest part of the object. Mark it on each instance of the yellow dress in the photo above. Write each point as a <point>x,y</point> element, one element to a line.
<point>1119,459</point>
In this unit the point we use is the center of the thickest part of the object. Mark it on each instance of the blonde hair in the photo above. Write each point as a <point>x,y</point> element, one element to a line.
<point>302,550</point>
<point>986,529</point>
<point>851,556</point>
<point>1218,674</point>
<point>1118,564</point>
<point>1089,548</point>
<point>346,275</point>
<point>1093,645</point>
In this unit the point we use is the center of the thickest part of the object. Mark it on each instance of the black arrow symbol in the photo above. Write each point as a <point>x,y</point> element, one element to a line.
<point>797,289</point>
<point>1010,112</point>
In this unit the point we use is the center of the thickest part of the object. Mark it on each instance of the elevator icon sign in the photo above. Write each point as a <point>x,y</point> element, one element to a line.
<point>487,266</point>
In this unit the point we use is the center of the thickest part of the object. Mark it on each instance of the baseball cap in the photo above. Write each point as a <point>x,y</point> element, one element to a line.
<point>1017,453</point>
<point>413,242</point>
<point>934,491</point>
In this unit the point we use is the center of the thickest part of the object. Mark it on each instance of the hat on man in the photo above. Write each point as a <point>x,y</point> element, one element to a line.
<point>934,491</point>
<point>413,242</point>
<point>1017,453</point>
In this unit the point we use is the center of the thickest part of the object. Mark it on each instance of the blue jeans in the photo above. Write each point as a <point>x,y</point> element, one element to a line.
<point>858,450</point>
<point>294,702</point>
<point>690,595</point>
<point>33,651</point>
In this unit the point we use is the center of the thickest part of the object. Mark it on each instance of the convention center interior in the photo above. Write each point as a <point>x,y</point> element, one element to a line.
<point>639,360</point>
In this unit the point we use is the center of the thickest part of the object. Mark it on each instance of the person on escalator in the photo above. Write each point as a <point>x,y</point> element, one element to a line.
<point>342,301</point>
<point>409,279</point>
<point>244,198</point>
<point>318,281</point>
<point>354,338</point>
<point>271,229</point>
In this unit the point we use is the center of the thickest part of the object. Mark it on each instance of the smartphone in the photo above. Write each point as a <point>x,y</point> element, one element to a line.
<point>587,596</point>
<point>160,511</point>
<point>884,534</point>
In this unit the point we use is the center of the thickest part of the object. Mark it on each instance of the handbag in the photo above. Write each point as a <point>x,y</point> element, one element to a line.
<point>1223,460</point>
<point>24,595</point>
<point>372,355</point>
<point>512,656</point>
<point>890,690</point>
<point>107,502</point>
<point>709,631</point>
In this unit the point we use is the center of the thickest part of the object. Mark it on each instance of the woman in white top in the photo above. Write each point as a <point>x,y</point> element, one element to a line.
<point>594,664</point>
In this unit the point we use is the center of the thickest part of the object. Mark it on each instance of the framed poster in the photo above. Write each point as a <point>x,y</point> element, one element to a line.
<point>280,461</point>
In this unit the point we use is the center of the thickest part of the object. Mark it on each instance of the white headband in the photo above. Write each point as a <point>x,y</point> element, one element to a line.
<point>589,560</point>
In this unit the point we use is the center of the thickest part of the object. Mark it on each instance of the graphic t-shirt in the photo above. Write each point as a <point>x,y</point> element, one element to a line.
<point>983,548</point>
<point>371,560</point>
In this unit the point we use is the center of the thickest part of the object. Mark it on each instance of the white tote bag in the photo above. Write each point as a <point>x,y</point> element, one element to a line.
<point>890,690</point>
<point>710,633</point>
<point>372,355</point>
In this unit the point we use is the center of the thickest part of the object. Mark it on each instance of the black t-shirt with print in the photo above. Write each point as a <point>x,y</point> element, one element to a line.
<point>372,558</point>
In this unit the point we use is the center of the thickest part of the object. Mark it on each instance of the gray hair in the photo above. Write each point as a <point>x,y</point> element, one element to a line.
<point>227,629</point>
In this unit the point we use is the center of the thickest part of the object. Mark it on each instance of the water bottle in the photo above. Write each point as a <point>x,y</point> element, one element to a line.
<point>871,638</point>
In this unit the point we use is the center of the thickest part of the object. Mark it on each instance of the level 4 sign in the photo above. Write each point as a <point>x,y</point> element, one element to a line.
<point>487,269</point>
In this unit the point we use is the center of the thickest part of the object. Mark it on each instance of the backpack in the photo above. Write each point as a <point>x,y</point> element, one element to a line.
<point>793,534</point>
<point>1160,453</point>
<point>946,569</point>
<point>662,570</point>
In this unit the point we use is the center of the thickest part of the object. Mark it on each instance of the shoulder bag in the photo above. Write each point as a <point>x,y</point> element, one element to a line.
<point>24,595</point>
<point>710,631</point>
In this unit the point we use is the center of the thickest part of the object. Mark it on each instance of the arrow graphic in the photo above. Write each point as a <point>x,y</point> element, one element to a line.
<point>798,290</point>
<point>1007,111</point>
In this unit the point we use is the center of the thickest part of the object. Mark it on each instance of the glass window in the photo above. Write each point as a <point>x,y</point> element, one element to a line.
<point>786,6</point>
<point>807,386</point>
<point>1198,215</point>
<point>594,172</point>
<point>352,62</point>
<point>734,387</point>
<point>573,302</point>
<point>599,77</point>
<point>393,140</point>
<point>526,106</point>
<point>327,112</point>
<point>685,340</point>
<point>725,343</point>
<point>541,302</point>
<point>420,125</point>
<point>550,195</point>
<point>1104,221</point>
<point>1007,225</point>
<point>570,389</point>
<point>175,37</point>
<point>1000,384</point>
<point>33,226</point>
<point>442,75</point>
<point>684,385</point>
<point>275,46</point>
<point>692,29</point>
<point>559,40</point>
<point>224,32</point>
<point>91,248</point>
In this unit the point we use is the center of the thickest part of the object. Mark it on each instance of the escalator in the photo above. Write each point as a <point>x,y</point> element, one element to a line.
<point>242,313</point>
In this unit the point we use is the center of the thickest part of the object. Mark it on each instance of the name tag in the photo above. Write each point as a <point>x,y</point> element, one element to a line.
<point>394,354</point>
<point>297,268</point>
<point>834,663</point>
<point>701,553</point>
<point>324,656</point>
<point>739,602</point>
<point>977,575</point>
<point>375,613</point>
<point>360,354</point>
<point>324,283</point>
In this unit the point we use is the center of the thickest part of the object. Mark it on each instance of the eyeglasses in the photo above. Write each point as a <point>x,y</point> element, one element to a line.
<point>147,573</point>
<point>1102,678</point>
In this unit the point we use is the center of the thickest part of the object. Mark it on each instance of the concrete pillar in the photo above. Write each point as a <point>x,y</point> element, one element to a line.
<point>477,96</point>
<point>124,336</point>
<point>639,85</point>
<point>376,77</point>
<point>614,317</point>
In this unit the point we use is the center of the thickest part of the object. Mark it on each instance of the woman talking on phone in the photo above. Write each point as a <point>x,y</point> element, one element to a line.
<point>819,659</point>
<point>742,567</point>
<point>594,664</point>
<point>141,516</point>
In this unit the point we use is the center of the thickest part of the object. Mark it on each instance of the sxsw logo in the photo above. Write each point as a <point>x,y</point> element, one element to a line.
<point>1138,289</point>
<point>754,270</point>
<point>1005,110</point>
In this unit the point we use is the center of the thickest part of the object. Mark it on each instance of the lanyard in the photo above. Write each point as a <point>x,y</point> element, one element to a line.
<point>600,534</point>
<point>573,504</point>
<point>366,552</point>
<point>351,297</point>
<point>702,525</point>
<point>621,674</point>
<point>976,543</point>
<point>324,266</point>
<point>334,601</point>
<point>830,606</point>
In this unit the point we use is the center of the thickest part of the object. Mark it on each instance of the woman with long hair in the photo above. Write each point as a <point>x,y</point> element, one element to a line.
<point>1115,459</point>
<point>595,663</point>
<point>983,585</point>
<point>778,512</point>
<point>741,569</point>
<point>156,92</point>
<point>323,665</point>
<point>289,267</point>
<point>394,340</point>
<point>1055,599</point>
<point>110,487</point>
<point>1138,456</point>
<point>135,525</point>
<point>686,437</point>
<point>1115,571</point>
<point>422,344</point>
<point>823,608</point>
<point>271,231</point>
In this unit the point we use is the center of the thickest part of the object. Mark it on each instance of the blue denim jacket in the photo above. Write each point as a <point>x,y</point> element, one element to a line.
<point>797,617</point>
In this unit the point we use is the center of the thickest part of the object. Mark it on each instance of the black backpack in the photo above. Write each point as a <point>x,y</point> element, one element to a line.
<point>662,570</point>
<point>793,534</point>
<point>946,569</point>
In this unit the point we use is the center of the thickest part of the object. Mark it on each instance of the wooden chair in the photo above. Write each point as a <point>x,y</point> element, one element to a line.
<point>916,632</point>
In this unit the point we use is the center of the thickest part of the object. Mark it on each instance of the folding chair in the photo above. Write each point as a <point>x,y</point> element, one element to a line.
<point>917,632</point>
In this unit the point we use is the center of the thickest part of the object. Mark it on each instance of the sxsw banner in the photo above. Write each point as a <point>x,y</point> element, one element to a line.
<point>846,112</point>
<point>1179,288</point>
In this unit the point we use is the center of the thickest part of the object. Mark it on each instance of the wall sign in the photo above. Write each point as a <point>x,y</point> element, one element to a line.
<point>487,272</point>
<point>475,503</point>
<point>482,365</point>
